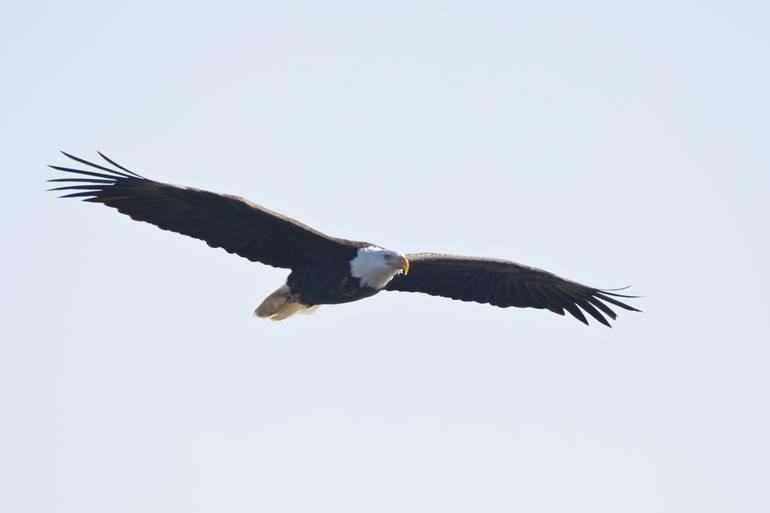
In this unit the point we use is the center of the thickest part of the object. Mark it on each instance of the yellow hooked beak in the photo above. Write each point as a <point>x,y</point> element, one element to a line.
<point>404,264</point>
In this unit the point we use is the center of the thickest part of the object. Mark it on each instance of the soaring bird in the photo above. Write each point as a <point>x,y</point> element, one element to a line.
<point>327,270</point>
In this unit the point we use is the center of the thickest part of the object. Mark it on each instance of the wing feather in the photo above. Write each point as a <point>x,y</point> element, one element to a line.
<point>504,283</point>
<point>223,221</point>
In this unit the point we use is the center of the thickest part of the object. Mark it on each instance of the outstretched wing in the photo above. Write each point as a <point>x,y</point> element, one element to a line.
<point>221,220</point>
<point>503,283</point>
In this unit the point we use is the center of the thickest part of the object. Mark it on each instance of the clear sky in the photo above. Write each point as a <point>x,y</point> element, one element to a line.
<point>612,143</point>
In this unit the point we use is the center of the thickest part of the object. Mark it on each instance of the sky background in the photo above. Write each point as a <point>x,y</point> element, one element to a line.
<point>612,143</point>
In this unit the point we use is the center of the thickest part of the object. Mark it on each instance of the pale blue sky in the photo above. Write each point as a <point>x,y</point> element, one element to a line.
<point>613,144</point>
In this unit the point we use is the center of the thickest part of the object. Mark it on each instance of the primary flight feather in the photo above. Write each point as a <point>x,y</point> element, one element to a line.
<point>324,269</point>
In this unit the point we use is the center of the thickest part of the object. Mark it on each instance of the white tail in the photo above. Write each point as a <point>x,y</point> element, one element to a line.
<point>281,305</point>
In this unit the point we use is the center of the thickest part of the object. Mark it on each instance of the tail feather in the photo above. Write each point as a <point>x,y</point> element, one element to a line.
<point>281,305</point>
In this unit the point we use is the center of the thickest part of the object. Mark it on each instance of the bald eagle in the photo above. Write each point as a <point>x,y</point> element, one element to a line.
<point>327,270</point>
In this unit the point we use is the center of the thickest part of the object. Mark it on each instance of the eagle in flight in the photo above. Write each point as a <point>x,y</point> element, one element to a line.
<point>327,270</point>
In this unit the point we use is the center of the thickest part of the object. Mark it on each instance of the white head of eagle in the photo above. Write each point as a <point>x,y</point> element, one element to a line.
<point>375,267</point>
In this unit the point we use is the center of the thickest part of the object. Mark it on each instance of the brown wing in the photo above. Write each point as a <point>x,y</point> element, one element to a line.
<point>503,283</point>
<point>221,220</point>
